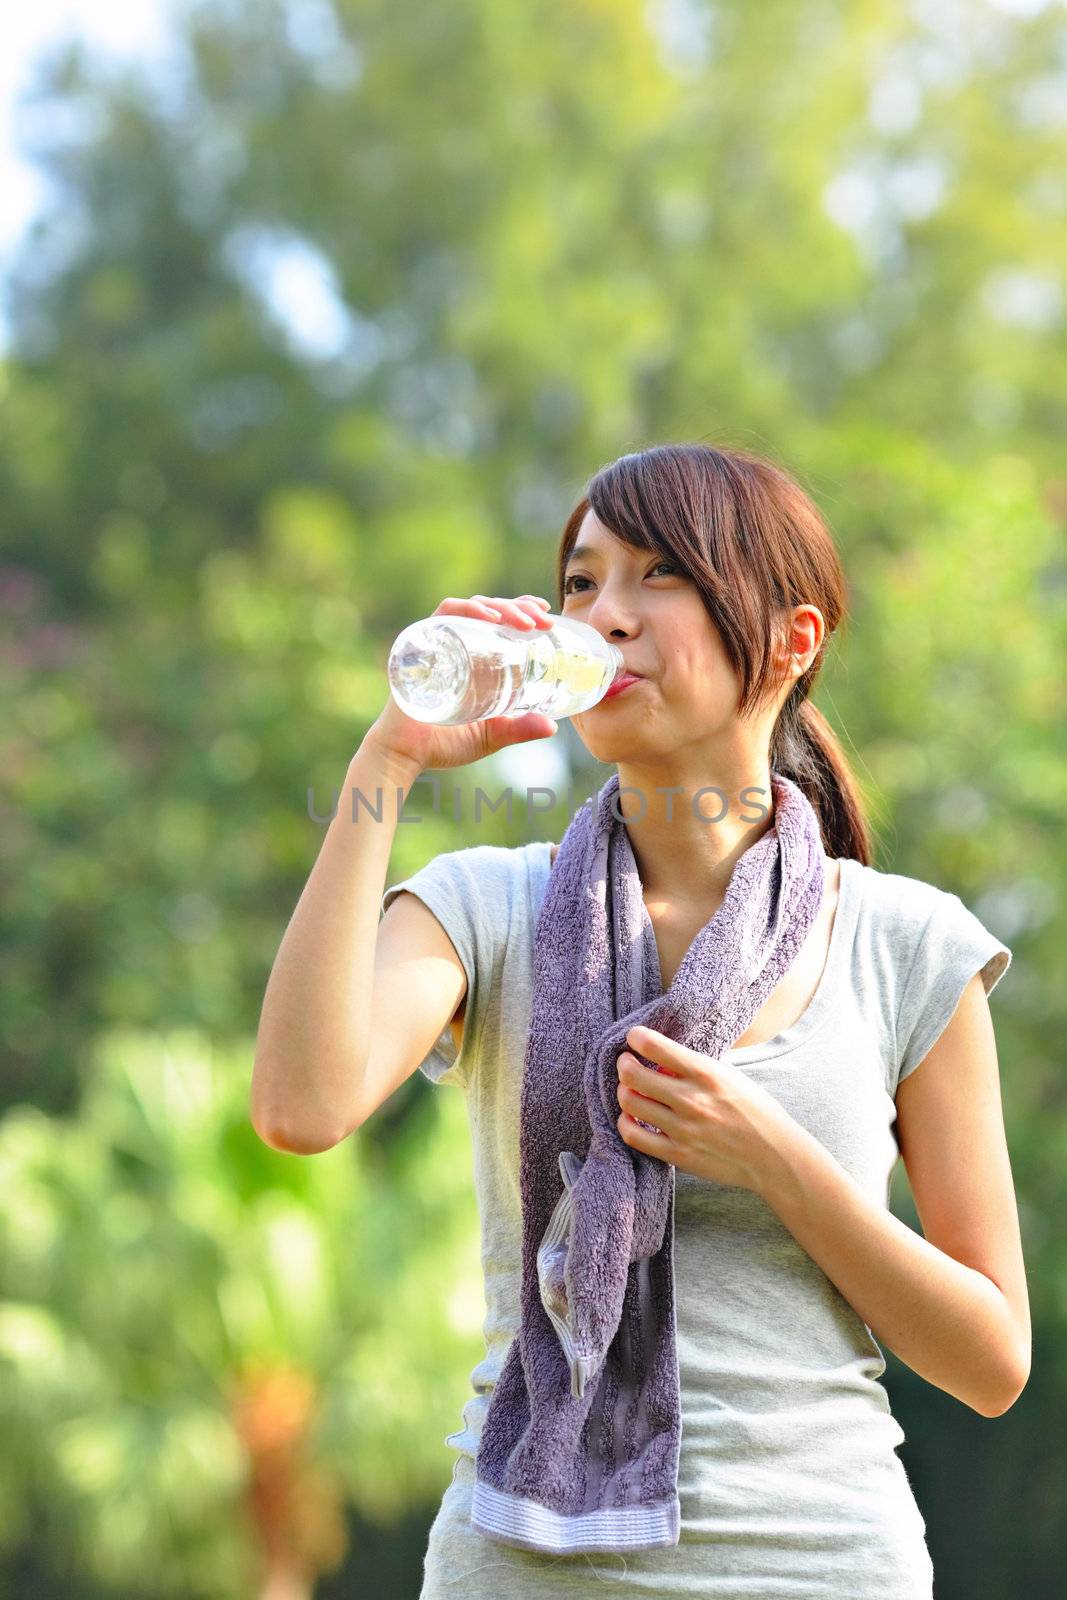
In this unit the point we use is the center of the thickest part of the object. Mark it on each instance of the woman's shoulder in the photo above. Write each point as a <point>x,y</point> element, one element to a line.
<point>896,896</point>
<point>923,945</point>
<point>498,859</point>
<point>476,876</point>
<point>896,914</point>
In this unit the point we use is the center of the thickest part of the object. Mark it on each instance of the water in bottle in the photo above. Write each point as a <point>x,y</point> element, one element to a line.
<point>449,670</point>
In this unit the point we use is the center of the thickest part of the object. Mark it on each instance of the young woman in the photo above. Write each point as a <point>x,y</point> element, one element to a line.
<point>716,577</point>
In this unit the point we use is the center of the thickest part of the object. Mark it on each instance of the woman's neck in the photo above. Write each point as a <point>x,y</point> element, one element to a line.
<point>687,836</point>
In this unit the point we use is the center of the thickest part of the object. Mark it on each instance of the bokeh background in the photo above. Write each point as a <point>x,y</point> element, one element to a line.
<point>314,312</point>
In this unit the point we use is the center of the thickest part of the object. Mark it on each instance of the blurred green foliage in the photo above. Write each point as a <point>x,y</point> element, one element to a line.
<point>209,1347</point>
<point>335,317</point>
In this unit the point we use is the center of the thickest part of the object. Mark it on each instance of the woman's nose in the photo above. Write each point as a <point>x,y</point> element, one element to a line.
<point>611,615</point>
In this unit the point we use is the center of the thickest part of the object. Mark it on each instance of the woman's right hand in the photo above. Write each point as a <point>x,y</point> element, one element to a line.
<point>407,742</point>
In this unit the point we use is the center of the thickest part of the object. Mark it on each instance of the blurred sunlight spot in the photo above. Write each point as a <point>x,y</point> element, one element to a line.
<point>465,1306</point>
<point>53,122</point>
<point>968,34</point>
<point>1042,103</point>
<point>939,65</point>
<point>297,285</point>
<point>1023,299</point>
<point>1020,8</point>
<point>917,187</point>
<point>31,1337</point>
<point>870,199</point>
<point>1011,908</point>
<point>851,200</point>
<point>295,1255</point>
<point>39,1223</point>
<point>181,1098</point>
<point>534,763</point>
<point>684,31</point>
<point>314,32</point>
<point>128,30</point>
<point>895,103</point>
<point>93,1453</point>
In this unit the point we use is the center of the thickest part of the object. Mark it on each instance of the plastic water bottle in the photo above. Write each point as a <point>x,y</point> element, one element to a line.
<point>463,669</point>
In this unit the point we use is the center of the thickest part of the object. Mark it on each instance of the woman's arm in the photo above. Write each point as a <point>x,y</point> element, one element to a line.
<point>316,1024</point>
<point>952,1305</point>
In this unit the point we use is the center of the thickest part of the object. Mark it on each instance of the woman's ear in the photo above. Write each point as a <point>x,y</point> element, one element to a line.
<point>801,635</point>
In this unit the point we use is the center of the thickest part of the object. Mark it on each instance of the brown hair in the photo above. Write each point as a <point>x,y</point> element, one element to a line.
<point>753,543</point>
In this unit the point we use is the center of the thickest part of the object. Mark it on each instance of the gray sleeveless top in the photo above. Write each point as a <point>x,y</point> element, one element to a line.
<point>789,1479</point>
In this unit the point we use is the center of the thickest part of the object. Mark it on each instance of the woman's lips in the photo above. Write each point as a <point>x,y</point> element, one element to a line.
<point>620,683</point>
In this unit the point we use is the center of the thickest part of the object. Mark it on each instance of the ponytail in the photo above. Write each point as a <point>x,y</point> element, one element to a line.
<point>805,748</point>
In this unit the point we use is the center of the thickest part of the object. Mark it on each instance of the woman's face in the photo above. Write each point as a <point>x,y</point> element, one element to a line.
<point>641,602</point>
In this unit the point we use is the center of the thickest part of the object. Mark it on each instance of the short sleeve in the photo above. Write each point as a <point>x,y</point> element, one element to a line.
<point>953,947</point>
<point>458,887</point>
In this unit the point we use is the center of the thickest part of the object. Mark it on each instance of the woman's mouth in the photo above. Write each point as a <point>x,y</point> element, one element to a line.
<point>623,681</point>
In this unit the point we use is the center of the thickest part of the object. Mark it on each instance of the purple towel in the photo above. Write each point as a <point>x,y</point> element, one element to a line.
<point>580,1444</point>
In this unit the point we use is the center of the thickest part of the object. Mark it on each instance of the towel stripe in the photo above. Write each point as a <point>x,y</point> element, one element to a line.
<point>517,1520</point>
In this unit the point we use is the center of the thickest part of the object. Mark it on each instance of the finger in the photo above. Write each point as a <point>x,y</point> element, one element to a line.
<point>531,725</point>
<point>477,602</point>
<point>484,602</point>
<point>523,613</point>
<point>660,1048</point>
<point>516,616</point>
<point>633,1133</point>
<point>639,1105</point>
<point>540,616</point>
<point>648,1083</point>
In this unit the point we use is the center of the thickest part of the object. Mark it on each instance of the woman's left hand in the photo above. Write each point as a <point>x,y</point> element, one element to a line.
<point>712,1120</point>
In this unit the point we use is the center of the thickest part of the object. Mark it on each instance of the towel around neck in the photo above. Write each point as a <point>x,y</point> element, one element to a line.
<point>580,1444</point>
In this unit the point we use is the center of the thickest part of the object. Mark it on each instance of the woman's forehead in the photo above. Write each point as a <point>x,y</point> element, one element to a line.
<point>594,539</point>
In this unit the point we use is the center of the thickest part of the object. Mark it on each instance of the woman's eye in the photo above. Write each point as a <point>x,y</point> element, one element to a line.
<point>568,586</point>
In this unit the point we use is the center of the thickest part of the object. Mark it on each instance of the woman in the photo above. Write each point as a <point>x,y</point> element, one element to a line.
<point>716,577</point>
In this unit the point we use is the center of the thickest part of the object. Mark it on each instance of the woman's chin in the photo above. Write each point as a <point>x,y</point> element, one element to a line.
<point>615,746</point>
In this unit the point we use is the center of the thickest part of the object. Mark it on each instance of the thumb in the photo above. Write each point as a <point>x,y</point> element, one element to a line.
<point>531,725</point>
